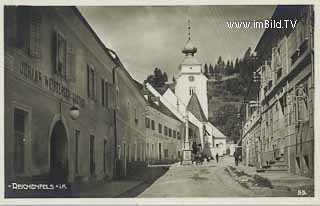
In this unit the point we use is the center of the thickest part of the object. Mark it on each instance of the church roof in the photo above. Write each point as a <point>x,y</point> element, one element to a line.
<point>195,108</point>
<point>189,48</point>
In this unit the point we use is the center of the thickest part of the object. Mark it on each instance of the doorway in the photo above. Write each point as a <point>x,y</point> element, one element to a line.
<point>59,154</point>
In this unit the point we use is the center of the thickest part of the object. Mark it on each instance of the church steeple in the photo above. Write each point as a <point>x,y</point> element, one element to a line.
<point>189,48</point>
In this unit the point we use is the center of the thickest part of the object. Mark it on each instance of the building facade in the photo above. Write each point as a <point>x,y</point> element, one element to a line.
<point>130,124</point>
<point>286,97</point>
<point>54,62</point>
<point>163,134</point>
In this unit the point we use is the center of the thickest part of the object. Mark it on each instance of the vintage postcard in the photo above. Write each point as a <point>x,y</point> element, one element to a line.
<point>159,102</point>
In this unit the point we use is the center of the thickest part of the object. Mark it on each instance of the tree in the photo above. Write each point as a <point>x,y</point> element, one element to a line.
<point>229,68</point>
<point>157,79</point>
<point>211,70</point>
<point>206,72</point>
<point>164,77</point>
<point>236,66</point>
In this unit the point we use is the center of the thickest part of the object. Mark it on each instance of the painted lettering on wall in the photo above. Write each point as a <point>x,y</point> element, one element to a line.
<point>32,74</point>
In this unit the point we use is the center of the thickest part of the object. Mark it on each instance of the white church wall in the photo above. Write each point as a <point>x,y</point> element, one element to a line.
<point>199,84</point>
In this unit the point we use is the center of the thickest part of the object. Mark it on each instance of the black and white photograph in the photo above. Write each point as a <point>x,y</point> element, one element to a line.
<point>159,101</point>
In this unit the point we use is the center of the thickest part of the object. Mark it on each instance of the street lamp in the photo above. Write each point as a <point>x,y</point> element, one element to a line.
<point>74,112</point>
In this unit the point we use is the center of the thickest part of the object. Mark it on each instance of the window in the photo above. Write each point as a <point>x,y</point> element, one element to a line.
<point>271,123</point>
<point>129,153</point>
<point>104,156</point>
<point>128,111</point>
<point>35,34</point>
<point>91,82</point>
<point>136,120</point>
<point>28,30</point>
<point>192,90</point>
<point>20,130</point>
<point>301,104</point>
<point>152,125</point>
<point>148,151</point>
<point>119,152</point>
<point>160,128</point>
<point>76,163</point>
<point>147,122</point>
<point>166,131</point>
<point>141,153</point>
<point>166,153</point>
<point>170,132</point>
<point>178,135</point>
<point>152,150</point>
<point>135,151</point>
<point>174,134</point>
<point>61,55</point>
<point>279,73</point>
<point>104,93</point>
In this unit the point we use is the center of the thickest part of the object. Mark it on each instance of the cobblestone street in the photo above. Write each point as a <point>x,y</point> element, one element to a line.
<point>207,180</point>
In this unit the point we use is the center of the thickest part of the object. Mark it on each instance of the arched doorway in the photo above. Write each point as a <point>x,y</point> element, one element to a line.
<point>59,154</point>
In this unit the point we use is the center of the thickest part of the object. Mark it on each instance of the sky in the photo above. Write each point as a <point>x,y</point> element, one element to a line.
<point>146,37</point>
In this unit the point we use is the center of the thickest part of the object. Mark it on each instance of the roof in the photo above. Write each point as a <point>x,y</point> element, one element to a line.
<point>216,132</point>
<point>195,108</point>
<point>160,107</point>
<point>138,84</point>
<point>281,12</point>
<point>164,88</point>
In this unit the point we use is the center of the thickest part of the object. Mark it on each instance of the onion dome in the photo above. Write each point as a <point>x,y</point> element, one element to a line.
<point>189,48</point>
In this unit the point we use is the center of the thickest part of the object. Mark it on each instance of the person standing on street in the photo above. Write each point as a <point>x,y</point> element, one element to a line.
<point>217,157</point>
<point>236,158</point>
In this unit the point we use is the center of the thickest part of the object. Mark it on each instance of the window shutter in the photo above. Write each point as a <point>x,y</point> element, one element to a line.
<point>71,62</point>
<point>102,92</point>
<point>95,86</point>
<point>35,34</point>
<point>107,92</point>
<point>10,25</point>
<point>56,49</point>
<point>88,81</point>
<point>23,16</point>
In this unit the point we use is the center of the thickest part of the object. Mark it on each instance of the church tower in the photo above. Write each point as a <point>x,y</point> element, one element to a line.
<point>190,79</point>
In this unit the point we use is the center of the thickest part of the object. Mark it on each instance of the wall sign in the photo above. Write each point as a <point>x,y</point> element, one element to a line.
<point>32,74</point>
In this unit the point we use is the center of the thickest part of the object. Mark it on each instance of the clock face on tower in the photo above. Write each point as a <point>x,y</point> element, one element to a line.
<point>191,78</point>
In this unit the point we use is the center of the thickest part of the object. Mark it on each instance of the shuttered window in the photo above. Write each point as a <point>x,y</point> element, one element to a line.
<point>105,87</point>
<point>71,62</point>
<point>26,30</point>
<point>35,34</point>
<point>91,83</point>
<point>102,93</point>
<point>106,93</point>
<point>61,56</point>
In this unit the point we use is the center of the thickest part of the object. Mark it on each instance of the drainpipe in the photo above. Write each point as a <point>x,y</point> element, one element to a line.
<point>117,65</point>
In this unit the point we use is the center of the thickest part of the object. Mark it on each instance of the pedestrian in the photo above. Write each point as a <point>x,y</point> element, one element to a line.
<point>217,157</point>
<point>236,158</point>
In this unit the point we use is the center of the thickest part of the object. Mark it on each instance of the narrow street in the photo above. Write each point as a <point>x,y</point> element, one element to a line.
<point>207,180</point>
